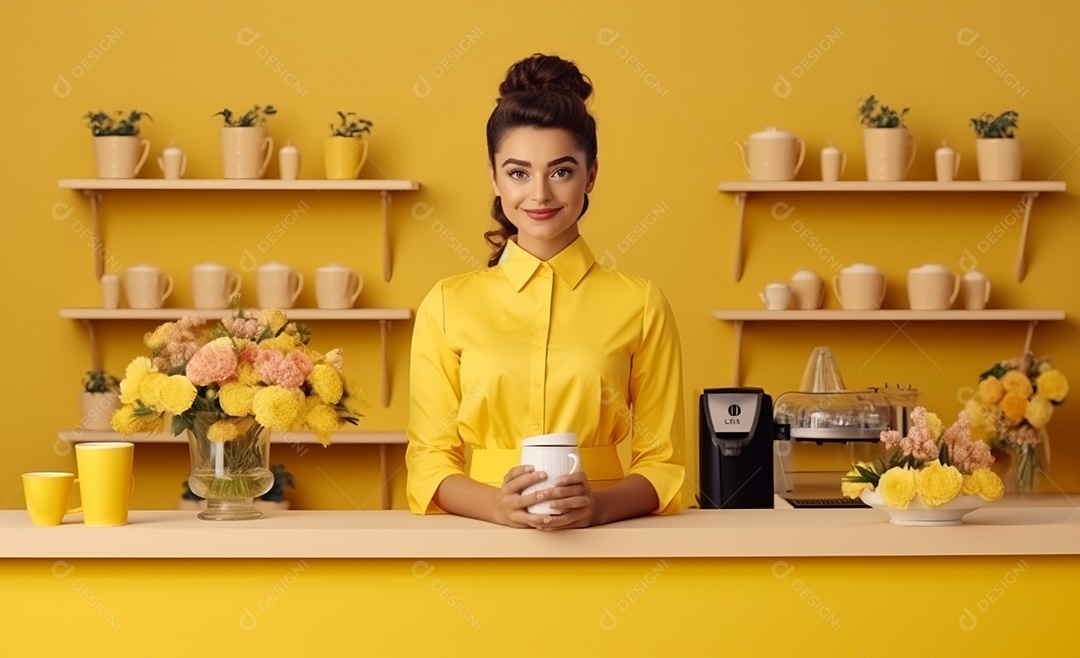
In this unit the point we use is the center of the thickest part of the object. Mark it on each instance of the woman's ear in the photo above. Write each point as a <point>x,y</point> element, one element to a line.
<point>592,176</point>
<point>494,185</point>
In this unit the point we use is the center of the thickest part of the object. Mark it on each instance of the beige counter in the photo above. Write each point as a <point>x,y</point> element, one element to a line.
<point>1041,526</point>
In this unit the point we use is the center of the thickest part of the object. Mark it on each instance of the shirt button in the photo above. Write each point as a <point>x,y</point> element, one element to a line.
<point>536,426</point>
<point>536,385</point>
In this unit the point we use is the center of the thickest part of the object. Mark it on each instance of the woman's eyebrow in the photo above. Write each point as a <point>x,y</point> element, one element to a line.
<point>523,163</point>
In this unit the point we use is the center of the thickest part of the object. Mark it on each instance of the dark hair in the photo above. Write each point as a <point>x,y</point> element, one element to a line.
<point>542,91</point>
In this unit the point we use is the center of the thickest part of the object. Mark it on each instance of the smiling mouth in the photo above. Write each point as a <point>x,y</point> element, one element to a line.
<point>541,213</point>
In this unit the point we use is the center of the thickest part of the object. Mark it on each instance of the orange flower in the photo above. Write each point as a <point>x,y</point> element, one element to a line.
<point>1014,406</point>
<point>1017,382</point>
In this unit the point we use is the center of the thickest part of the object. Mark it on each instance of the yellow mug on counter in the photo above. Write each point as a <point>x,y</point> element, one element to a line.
<point>105,481</point>
<point>48,494</point>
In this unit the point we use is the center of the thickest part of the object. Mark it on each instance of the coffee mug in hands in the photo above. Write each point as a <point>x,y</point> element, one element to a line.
<point>554,454</point>
<point>105,481</point>
<point>48,495</point>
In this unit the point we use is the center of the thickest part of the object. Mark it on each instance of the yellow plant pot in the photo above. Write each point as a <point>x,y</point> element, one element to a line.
<point>344,157</point>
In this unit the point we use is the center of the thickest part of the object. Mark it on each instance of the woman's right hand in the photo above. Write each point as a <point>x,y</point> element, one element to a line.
<point>513,507</point>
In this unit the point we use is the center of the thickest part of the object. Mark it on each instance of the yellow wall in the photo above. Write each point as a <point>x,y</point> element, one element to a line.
<point>675,91</point>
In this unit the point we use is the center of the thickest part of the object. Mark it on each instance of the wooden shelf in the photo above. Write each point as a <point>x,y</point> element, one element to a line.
<point>338,438</point>
<point>1027,189</point>
<point>738,317</point>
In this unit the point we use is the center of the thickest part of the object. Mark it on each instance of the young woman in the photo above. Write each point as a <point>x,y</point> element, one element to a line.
<point>544,340</point>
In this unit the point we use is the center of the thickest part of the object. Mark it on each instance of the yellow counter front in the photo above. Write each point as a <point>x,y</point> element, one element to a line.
<point>738,582</point>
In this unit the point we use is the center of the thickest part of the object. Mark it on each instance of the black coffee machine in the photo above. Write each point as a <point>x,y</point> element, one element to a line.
<point>736,448</point>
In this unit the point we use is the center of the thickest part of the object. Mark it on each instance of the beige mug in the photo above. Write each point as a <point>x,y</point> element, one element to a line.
<point>289,162</point>
<point>932,287</point>
<point>245,151</point>
<point>48,495</point>
<point>554,454</point>
<point>807,290</point>
<point>776,296</point>
<point>860,287</point>
<point>213,285</point>
<point>277,285</point>
<point>146,287</point>
<point>890,153</point>
<point>110,291</point>
<point>336,287</point>
<point>120,156</point>
<point>833,164</point>
<point>976,289</point>
<point>105,481</point>
<point>173,163</point>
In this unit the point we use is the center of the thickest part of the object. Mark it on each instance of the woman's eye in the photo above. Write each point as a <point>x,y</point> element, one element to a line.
<point>516,174</point>
<point>562,173</point>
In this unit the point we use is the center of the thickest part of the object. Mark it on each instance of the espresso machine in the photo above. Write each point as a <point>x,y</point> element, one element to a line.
<point>736,448</point>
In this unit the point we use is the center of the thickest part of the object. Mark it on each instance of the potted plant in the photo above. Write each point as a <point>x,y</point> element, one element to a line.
<point>346,149</point>
<point>245,147</point>
<point>890,148</point>
<point>998,153</point>
<point>116,142</point>
<point>100,398</point>
<point>274,499</point>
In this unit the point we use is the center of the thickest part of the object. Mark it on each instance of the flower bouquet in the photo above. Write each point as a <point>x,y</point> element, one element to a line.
<point>1015,401</point>
<point>227,386</point>
<point>929,468</point>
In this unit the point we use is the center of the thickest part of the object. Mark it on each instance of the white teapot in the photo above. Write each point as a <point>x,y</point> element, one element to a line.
<point>773,155</point>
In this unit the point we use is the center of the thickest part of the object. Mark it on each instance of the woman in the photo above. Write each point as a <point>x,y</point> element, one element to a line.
<point>544,340</point>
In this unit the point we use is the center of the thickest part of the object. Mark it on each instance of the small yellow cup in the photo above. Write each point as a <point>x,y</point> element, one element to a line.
<point>106,482</point>
<point>48,495</point>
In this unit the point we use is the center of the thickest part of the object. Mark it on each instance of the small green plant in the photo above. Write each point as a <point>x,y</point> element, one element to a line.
<point>873,115</point>
<point>103,124</point>
<point>351,126</point>
<point>256,116</point>
<point>99,381</point>
<point>988,126</point>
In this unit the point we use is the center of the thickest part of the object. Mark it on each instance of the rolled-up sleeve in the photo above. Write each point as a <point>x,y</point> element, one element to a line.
<point>435,449</point>
<point>657,398</point>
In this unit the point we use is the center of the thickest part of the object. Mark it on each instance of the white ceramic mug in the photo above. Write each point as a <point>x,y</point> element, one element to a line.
<point>976,288</point>
<point>554,454</point>
<point>336,286</point>
<point>213,285</point>
<point>110,291</point>
<point>277,285</point>
<point>146,286</point>
<point>776,296</point>
<point>833,164</point>
<point>807,290</point>
<point>932,287</point>
<point>860,287</point>
<point>173,163</point>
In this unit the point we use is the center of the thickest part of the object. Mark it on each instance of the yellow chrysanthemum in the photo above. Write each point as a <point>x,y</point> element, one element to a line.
<point>1039,411</point>
<point>150,390</point>
<point>236,399</point>
<point>156,339</point>
<point>314,356</point>
<point>125,421</point>
<point>273,318</point>
<point>853,489</point>
<point>1014,406</point>
<point>284,343</point>
<point>323,420</point>
<point>224,431</point>
<point>1017,382</point>
<point>139,367</point>
<point>177,394</point>
<point>276,406</point>
<point>983,483</point>
<point>897,487</point>
<point>326,382</point>
<point>246,375</point>
<point>1052,385</point>
<point>980,413</point>
<point>355,400</point>
<point>934,424</point>
<point>937,484</point>
<point>991,390</point>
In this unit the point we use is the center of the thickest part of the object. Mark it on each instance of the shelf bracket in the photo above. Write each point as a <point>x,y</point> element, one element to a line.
<point>99,248</point>
<point>384,331</point>
<point>95,354</point>
<point>1027,200</point>
<point>740,215</point>
<point>387,269</point>
<point>737,377</point>
<point>1030,336</point>
<point>384,468</point>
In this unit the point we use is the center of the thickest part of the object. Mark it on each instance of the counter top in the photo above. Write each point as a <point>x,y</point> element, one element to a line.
<point>1045,525</point>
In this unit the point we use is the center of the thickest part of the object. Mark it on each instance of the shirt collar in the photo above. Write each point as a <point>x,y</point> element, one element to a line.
<point>571,264</point>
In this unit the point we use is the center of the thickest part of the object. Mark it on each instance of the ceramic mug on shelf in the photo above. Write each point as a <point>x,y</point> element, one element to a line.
<point>245,151</point>
<point>807,290</point>
<point>213,285</point>
<point>555,454</point>
<point>932,287</point>
<point>776,296</point>
<point>110,291</point>
<point>277,285</point>
<point>946,164</point>
<point>833,163</point>
<point>48,495</point>
<point>105,481</point>
<point>976,290</point>
<point>773,155</point>
<point>120,156</point>
<point>336,286</point>
<point>860,287</point>
<point>146,286</point>
<point>289,162</point>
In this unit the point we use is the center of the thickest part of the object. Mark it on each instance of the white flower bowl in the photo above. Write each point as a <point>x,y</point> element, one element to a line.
<point>917,513</point>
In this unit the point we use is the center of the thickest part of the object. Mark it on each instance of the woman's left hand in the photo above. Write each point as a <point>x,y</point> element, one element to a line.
<point>574,497</point>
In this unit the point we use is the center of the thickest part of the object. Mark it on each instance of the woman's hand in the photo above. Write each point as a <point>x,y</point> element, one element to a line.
<point>571,495</point>
<point>512,508</point>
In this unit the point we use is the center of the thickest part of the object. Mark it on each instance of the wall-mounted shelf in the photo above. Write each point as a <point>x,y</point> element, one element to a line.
<point>738,317</point>
<point>1027,189</point>
<point>92,188</point>
<point>384,316</point>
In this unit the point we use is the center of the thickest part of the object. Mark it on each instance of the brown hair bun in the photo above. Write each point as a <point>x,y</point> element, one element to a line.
<point>546,73</point>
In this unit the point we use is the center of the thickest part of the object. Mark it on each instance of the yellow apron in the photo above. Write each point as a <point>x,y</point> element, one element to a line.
<point>601,464</point>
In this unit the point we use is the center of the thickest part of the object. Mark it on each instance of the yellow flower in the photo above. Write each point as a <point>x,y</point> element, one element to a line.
<point>276,406</point>
<point>236,399</point>
<point>323,420</point>
<point>1053,385</point>
<point>315,356</point>
<point>934,424</point>
<point>139,367</point>
<point>937,484</point>
<point>150,390</point>
<point>1014,406</point>
<point>246,375</point>
<point>326,382</point>
<point>157,338</point>
<point>991,390</point>
<point>1017,382</point>
<point>125,421</point>
<point>983,483</point>
<point>355,399</point>
<point>897,487</point>
<point>273,318</point>
<point>1038,411</point>
<point>177,394</point>
<point>853,489</point>
<point>284,343</point>
<point>227,430</point>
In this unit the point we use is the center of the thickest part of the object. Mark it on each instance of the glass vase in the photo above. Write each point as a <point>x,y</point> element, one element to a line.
<point>229,474</point>
<point>1028,464</point>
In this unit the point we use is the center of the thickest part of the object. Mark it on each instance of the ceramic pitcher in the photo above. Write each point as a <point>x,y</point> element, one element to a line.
<point>773,155</point>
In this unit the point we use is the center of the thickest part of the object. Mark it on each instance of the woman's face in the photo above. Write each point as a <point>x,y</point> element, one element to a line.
<point>541,177</point>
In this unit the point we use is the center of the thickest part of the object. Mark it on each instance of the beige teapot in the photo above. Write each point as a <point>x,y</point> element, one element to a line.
<point>772,155</point>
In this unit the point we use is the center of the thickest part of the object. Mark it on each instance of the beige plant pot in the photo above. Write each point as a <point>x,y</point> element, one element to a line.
<point>999,159</point>
<point>889,153</point>
<point>344,157</point>
<point>245,151</point>
<point>97,410</point>
<point>120,156</point>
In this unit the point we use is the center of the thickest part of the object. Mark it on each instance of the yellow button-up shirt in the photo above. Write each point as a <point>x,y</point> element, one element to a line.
<point>531,347</point>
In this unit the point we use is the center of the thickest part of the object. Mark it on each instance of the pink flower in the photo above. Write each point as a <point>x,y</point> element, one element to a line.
<point>965,454</point>
<point>248,328</point>
<point>215,363</point>
<point>289,370</point>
